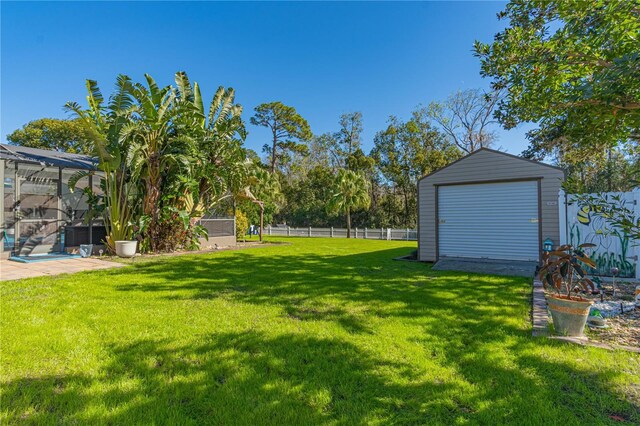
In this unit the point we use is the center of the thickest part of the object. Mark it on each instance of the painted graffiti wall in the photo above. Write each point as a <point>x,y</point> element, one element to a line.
<point>614,248</point>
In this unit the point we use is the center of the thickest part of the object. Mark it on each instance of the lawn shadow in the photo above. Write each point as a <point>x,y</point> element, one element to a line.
<point>481,364</point>
<point>464,317</point>
<point>301,283</point>
<point>233,378</point>
<point>252,378</point>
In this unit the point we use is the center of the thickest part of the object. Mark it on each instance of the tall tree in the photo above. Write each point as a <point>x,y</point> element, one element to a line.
<point>348,138</point>
<point>405,151</point>
<point>350,192</point>
<point>289,131</point>
<point>571,66</point>
<point>342,145</point>
<point>320,151</point>
<point>466,117</point>
<point>54,134</point>
<point>430,148</point>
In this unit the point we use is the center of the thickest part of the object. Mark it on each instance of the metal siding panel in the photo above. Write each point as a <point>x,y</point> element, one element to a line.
<point>489,165</point>
<point>427,222</point>
<point>550,212</point>
<point>496,220</point>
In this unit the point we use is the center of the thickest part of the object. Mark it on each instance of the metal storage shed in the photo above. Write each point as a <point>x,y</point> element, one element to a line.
<point>488,205</point>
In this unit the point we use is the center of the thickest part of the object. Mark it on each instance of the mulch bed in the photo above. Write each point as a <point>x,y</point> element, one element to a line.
<point>623,329</point>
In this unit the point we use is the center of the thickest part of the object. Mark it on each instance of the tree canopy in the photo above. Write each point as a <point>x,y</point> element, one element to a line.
<point>405,151</point>
<point>167,160</point>
<point>571,66</point>
<point>289,131</point>
<point>54,134</point>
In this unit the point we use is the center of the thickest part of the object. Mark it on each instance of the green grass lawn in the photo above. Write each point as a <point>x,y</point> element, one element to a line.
<point>318,331</point>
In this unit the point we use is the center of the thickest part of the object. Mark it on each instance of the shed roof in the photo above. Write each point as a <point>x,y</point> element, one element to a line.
<point>493,151</point>
<point>47,157</point>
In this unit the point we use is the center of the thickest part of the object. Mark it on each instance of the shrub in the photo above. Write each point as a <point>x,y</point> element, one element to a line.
<point>242,224</point>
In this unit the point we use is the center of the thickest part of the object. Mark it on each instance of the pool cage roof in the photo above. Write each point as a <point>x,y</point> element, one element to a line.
<point>46,157</point>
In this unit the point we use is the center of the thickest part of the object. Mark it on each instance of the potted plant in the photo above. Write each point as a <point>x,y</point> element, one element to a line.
<point>129,247</point>
<point>563,272</point>
<point>126,248</point>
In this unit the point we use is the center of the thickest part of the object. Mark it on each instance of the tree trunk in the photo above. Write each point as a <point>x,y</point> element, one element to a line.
<point>261,220</point>
<point>150,204</point>
<point>348,223</point>
<point>406,207</point>
<point>273,151</point>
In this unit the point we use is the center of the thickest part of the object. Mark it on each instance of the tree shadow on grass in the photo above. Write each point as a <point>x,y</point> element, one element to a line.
<point>302,282</point>
<point>252,378</point>
<point>465,318</point>
<point>480,363</point>
<point>234,378</point>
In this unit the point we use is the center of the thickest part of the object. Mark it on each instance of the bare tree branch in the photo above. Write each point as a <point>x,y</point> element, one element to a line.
<point>465,117</point>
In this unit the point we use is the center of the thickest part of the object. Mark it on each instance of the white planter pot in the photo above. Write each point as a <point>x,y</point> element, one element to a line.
<point>126,248</point>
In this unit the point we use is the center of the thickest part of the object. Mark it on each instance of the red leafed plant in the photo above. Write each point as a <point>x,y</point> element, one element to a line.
<point>563,272</point>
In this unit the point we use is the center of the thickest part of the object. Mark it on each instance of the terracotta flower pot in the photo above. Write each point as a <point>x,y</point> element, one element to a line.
<point>569,315</point>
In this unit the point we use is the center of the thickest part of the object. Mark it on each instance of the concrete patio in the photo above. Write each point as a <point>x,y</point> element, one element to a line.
<point>10,270</point>
<point>487,266</point>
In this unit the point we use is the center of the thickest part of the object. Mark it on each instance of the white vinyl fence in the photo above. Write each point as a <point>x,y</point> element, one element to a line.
<point>614,248</point>
<point>365,233</point>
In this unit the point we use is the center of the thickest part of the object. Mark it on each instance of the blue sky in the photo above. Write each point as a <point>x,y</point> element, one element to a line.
<point>322,58</point>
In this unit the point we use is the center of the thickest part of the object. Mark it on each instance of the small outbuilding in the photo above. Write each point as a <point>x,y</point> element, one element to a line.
<point>488,205</point>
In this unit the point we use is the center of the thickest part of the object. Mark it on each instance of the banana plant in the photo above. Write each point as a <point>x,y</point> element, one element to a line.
<point>157,154</point>
<point>163,157</point>
<point>219,162</point>
<point>104,124</point>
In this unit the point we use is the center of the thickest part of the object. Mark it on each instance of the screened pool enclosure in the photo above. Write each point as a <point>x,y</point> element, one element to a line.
<point>40,213</point>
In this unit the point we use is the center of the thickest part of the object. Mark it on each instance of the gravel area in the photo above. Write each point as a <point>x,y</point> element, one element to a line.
<point>621,328</point>
<point>612,308</point>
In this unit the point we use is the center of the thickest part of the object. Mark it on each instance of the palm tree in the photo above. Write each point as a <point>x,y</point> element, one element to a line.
<point>350,191</point>
<point>262,188</point>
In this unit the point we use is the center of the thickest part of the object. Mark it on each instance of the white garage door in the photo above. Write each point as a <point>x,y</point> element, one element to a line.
<point>492,220</point>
